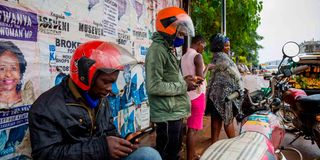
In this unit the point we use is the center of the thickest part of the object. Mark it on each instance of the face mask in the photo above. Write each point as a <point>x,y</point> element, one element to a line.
<point>178,42</point>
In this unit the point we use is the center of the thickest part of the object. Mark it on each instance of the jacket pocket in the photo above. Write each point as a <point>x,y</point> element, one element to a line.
<point>78,128</point>
<point>181,104</point>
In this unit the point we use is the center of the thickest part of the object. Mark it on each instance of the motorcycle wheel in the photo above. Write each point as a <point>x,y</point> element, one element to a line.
<point>286,116</point>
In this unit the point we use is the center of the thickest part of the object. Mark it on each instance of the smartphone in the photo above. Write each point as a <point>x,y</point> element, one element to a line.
<point>143,132</point>
<point>198,80</point>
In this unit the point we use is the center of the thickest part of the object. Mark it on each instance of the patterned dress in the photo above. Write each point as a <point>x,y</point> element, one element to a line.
<point>225,79</point>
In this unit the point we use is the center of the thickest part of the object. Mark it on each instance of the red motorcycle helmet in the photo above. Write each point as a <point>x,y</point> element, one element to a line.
<point>96,55</point>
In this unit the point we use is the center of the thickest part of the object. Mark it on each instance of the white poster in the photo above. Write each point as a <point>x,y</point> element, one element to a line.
<point>110,21</point>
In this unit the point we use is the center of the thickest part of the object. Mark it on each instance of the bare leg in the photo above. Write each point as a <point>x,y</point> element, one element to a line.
<point>191,137</point>
<point>230,130</point>
<point>216,125</point>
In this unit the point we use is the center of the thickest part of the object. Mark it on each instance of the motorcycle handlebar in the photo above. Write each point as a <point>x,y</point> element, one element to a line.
<point>299,69</point>
<point>232,96</point>
<point>273,81</point>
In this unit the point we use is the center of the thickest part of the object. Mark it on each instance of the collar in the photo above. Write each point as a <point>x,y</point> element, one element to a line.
<point>74,90</point>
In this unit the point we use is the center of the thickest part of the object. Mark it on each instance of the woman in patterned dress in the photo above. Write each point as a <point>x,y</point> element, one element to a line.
<point>225,79</point>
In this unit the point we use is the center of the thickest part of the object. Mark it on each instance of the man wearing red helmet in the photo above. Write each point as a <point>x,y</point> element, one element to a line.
<point>73,121</point>
<point>166,88</point>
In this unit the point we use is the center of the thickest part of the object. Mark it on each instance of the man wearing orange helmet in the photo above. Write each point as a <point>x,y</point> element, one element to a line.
<point>166,88</point>
<point>73,121</point>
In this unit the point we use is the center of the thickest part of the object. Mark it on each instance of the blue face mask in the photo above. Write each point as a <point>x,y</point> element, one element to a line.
<point>178,42</point>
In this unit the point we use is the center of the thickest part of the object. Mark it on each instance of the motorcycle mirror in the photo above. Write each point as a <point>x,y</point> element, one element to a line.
<point>290,49</point>
<point>296,59</point>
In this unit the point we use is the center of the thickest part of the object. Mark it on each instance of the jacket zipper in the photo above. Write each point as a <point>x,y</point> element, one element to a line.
<point>94,122</point>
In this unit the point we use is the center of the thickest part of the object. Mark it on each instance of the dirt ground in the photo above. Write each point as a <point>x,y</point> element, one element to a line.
<point>203,139</point>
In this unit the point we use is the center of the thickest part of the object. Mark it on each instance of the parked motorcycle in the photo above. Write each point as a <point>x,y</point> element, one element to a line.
<point>261,130</point>
<point>298,111</point>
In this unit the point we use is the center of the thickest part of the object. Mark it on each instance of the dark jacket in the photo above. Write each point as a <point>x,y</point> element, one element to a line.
<point>62,126</point>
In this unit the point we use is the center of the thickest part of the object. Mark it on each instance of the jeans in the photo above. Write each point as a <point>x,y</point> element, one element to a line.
<point>169,139</point>
<point>144,153</point>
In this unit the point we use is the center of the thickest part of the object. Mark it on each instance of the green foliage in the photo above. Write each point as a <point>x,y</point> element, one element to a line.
<point>243,59</point>
<point>207,56</point>
<point>243,20</point>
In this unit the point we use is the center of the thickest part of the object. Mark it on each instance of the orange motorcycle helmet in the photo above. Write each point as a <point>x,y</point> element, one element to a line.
<point>96,55</point>
<point>172,19</point>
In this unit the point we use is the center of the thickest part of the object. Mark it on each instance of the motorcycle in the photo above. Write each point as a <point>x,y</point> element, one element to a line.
<point>299,112</point>
<point>261,131</point>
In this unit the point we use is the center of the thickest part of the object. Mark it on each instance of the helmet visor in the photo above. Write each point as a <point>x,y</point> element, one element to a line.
<point>184,24</point>
<point>110,57</point>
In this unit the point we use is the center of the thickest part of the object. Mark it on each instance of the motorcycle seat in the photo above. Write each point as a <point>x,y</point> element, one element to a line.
<point>312,100</point>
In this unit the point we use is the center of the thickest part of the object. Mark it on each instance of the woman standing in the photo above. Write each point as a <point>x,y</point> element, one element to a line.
<point>225,79</point>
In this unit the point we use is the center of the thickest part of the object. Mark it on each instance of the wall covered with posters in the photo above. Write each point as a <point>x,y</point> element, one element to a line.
<point>37,40</point>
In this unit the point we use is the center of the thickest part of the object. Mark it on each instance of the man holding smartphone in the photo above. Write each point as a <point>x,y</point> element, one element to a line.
<point>73,121</point>
<point>192,64</point>
<point>166,87</point>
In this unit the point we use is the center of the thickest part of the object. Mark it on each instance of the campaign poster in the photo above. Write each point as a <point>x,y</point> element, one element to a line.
<point>124,38</point>
<point>110,21</point>
<point>142,116</point>
<point>18,24</point>
<point>89,18</point>
<point>55,56</point>
<point>18,85</point>
<point>140,46</point>
<point>54,24</point>
<point>129,92</point>
<point>126,121</point>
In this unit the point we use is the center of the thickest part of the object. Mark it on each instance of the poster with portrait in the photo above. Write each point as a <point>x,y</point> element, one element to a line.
<point>19,56</point>
<point>18,76</point>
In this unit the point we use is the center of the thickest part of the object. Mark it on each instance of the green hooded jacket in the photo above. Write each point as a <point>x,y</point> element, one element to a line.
<point>166,88</point>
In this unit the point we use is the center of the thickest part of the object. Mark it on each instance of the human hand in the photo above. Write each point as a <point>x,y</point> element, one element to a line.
<point>133,138</point>
<point>211,66</point>
<point>190,83</point>
<point>198,80</point>
<point>119,147</point>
